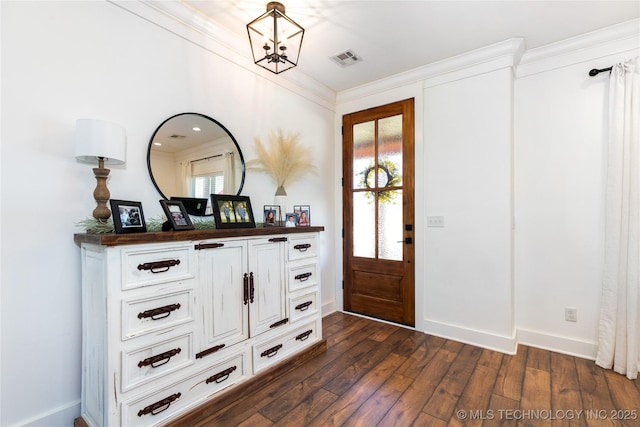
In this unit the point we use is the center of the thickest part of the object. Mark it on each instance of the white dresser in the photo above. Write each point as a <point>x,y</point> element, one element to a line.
<point>174,319</point>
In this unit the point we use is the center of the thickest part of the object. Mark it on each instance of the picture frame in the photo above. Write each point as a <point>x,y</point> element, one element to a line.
<point>303,215</point>
<point>128,216</point>
<point>272,216</point>
<point>177,216</point>
<point>290,220</point>
<point>230,211</point>
<point>196,206</point>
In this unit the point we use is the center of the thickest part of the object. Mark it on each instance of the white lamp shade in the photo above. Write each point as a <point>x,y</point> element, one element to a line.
<point>96,138</point>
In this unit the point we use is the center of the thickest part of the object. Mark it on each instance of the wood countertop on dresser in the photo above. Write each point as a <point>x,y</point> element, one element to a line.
<point>112,239</point>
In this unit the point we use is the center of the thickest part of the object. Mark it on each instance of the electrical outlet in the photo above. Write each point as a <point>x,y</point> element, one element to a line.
<point>570,314</point>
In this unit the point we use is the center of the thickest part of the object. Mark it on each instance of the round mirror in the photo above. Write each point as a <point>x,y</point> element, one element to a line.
<point>192,156</point>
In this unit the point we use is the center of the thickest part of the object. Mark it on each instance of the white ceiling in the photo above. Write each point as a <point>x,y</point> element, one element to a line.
<point>396,36</point>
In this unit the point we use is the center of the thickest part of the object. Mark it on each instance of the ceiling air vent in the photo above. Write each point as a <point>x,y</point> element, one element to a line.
<point>346,58</point>
<point>177,136</point>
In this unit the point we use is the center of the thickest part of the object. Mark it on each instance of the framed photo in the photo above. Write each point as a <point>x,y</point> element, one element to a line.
<point>194,205</point>
<point>232,211</point>
<point>127,216</point>
<point>303,214</point>
<point>291,220</point>
<point>177,216</point>
<point>272,216</point>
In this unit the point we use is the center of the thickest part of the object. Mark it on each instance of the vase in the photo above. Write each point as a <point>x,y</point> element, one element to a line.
<point>280,199</point>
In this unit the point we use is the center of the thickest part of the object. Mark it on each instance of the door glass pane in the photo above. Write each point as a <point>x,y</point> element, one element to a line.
<point>364,223</point>
<point>390,222</point>
<point>363,152</point>
<point>390,151</point>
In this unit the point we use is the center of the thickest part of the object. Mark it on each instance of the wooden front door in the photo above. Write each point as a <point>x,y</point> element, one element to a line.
<point>378,200</point>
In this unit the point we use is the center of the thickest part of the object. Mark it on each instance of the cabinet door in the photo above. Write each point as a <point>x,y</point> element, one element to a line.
<point>222,267</point>
<point>266,265</point>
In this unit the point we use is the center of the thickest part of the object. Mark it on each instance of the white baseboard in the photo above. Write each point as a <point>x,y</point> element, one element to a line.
<point>564,345</point>
<point>500,343</point>
<point>59,417</point>
<point>328,308</point>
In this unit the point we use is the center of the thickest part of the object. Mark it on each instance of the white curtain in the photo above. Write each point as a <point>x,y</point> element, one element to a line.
<point>229,174</point>
<point>185,178</point>
<point>619,329</point>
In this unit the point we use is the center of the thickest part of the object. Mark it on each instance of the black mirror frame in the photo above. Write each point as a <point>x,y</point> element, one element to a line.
<point>155,184</point>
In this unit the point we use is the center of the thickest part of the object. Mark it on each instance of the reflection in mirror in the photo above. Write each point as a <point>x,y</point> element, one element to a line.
<point>191,155</point>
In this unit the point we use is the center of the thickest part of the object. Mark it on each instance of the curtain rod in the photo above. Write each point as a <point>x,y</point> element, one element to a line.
<point>595,71</point>
<point>205,158</point>
<point>210,157</point>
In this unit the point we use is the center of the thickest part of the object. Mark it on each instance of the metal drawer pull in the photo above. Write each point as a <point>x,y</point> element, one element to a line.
<point>303,277</point>
<point>304,306</point>
<point>209,351</point>
<point>159,313</point>
<point>208,246</point>
<point>303,336</point>
<point>252,289</point>
<point>278,239</point>
<point>159,266</point>
<point>280,323</point>
<point>245,284</point>
<point>220,376</point>
<point>302,248</point>
<point>154,361</point>
<point>271,352</point>
<point>161,405</point>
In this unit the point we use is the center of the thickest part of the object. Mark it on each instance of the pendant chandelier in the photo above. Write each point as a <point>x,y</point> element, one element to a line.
<point>275,39</point>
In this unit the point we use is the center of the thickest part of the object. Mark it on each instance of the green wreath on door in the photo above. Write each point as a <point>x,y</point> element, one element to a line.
<point>386,169</point>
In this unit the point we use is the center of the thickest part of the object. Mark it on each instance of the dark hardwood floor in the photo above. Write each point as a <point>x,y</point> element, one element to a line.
<point>376,374</point>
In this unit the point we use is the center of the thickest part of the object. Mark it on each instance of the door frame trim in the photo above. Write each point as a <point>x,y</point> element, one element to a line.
<point>407,107</point>
<point>413,90</point>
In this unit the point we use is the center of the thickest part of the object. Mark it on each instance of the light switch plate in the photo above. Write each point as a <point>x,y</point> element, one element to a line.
<point>435,221</point>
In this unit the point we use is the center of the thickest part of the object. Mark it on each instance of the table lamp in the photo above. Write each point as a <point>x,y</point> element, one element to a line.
<point>105,143</point>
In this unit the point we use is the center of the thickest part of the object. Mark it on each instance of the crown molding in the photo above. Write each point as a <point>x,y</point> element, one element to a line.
<point>489,58</point>
<point>608,41</point>
<point>183,21</point>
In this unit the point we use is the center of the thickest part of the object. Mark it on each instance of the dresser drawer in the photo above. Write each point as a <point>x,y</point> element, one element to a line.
<point>142,365</point>
<point>157,407</point>
<point>302,246</point>
<point>146,315</point>
<point>303,306</point>
<point>269,352</point>
<point>302,275</point>
<point>153,266</point>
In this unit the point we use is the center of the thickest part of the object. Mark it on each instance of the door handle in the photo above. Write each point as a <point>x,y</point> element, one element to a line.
<point>407,241</point>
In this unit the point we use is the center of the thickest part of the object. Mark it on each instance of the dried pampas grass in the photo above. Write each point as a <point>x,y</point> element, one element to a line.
<point>285,159</point>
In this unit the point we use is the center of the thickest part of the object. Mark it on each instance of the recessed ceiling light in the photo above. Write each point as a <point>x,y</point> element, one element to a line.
<point>196,128</point>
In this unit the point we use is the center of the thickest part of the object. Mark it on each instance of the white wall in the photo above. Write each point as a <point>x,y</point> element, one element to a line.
<point>66,60</point>
<point>468,279</point>
<point>495,152</point>
<point>560,174</point>
<point>463,163</point>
